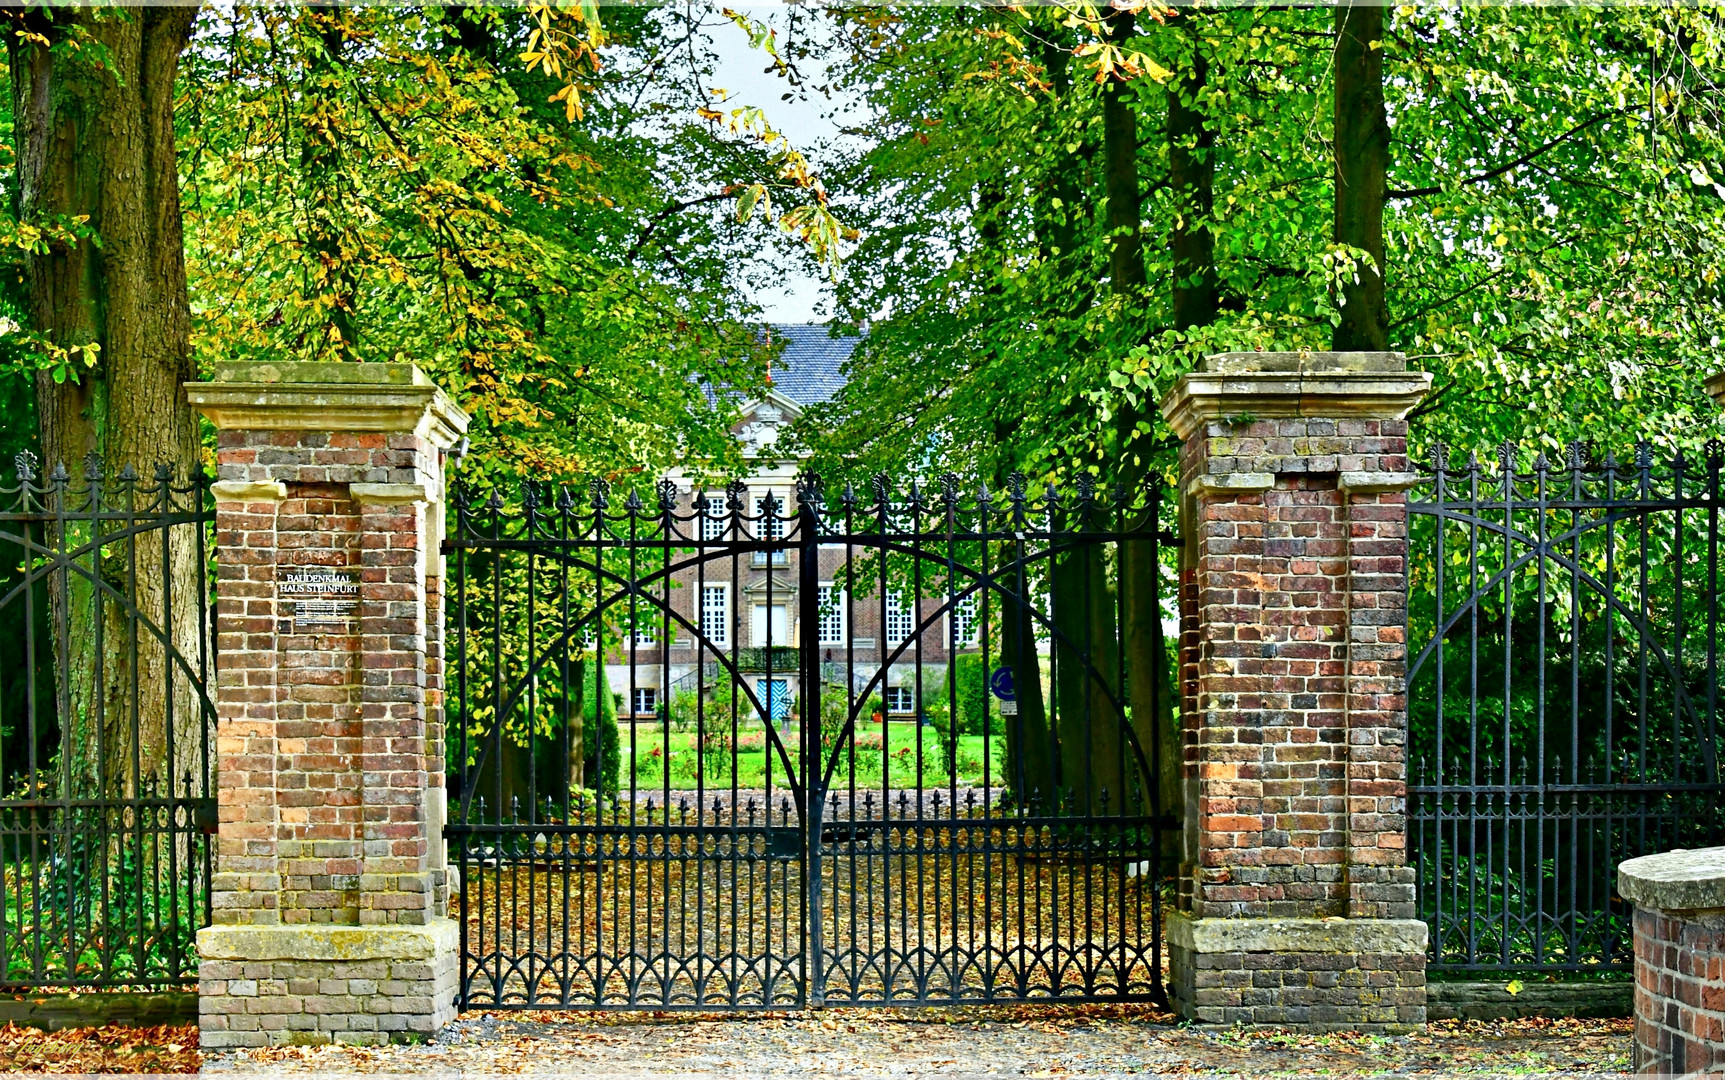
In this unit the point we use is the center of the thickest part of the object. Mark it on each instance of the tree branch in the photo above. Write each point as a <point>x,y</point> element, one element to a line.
<point>1525,159</point>
<point>675,207</point>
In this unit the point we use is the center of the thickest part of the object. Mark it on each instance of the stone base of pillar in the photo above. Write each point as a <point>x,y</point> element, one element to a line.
<point>306,985</point>
<point>1305,974</point>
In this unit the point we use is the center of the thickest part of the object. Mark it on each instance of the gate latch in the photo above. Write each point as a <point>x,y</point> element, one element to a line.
<point>784,843</point>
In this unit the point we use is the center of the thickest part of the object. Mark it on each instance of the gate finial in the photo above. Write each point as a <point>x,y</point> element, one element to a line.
<point>809,489</point>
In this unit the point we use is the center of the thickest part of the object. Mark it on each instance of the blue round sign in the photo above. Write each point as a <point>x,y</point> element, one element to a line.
<point>1000,683</point>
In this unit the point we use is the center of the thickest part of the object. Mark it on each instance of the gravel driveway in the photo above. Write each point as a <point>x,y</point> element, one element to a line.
<point>1041,1041</point>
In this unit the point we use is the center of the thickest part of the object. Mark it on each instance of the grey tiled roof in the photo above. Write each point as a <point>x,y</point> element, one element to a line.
<point>811,362</point>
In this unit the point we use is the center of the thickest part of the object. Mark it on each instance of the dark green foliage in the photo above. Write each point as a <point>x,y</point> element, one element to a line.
<point>965,686</point>
<point>600,735</point>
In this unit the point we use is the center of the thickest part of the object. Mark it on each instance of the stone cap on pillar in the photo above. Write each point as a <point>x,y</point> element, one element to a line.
<point>318,396</point>
<point>1716,388</point>
<point>1677,880</point>
<point>1267,385</point>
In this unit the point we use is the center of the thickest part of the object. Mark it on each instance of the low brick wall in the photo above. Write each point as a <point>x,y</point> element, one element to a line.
<point>1492,1000</point>
<point>1679,902</point>
<point>56,1011</point>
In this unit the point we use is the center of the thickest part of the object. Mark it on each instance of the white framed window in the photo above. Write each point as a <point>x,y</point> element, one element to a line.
<point>900,619</point>
<point>645,632</point>
<point>769,508</point>
<point>646,700</point>
<point>716,614</point>
<point>965,622</point>
<point>715,517</point>
<point>832,625</point>
<point>899,700</point>
<point>771,626</point>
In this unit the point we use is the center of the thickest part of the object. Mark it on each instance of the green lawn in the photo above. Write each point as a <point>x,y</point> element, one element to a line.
<point>750,757</point>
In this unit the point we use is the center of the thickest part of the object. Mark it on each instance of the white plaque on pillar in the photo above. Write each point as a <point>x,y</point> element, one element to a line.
<point>320,599</point>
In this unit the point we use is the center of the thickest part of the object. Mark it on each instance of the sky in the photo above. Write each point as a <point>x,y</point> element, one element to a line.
<point>805,120</point>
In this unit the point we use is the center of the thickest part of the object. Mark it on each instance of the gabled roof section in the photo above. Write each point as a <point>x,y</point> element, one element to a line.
<point>812,362</point>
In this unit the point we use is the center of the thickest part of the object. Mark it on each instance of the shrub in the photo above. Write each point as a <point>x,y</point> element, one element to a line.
<point>966,685</point>
<point>600,738</point>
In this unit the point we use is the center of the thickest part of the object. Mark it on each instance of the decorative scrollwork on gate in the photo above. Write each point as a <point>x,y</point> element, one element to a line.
<point>809,700</point>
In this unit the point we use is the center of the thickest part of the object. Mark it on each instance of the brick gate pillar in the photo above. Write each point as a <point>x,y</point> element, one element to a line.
<point>1296,905</point>
<point>330,890</point>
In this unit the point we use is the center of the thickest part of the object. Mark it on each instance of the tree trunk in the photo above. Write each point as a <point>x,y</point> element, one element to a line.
<point>1093,745</point>
<point>1362,148</point>
<point>329,195</point>
<point>1120,171</point>
<point>1147,682</point>
<point>1191,175</point>
<point>1030,772</point>
<point>1059,209</point>
<point>94,139</point>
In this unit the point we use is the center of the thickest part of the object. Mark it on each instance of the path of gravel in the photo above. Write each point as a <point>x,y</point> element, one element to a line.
<point>1033,1041</point>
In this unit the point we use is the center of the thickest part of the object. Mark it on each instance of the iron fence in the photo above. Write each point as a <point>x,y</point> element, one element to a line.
<point>1563,697</point>
<point>886,749</point>
<point>106,800</point>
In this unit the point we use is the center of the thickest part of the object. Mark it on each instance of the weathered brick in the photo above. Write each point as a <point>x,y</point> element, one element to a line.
<point>323,736</point>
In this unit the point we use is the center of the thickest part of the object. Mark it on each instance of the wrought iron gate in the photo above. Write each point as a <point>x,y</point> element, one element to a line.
<point>1563,697</point>
<point>866,750</point>
<point>106,793</point>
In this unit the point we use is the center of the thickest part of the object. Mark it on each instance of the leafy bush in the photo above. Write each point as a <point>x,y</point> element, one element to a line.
<point>966,685</point>
<point>600,738</point>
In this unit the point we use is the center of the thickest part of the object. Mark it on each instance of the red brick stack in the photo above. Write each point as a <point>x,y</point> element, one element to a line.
<point>329,707</point>
<point>1296,900</point>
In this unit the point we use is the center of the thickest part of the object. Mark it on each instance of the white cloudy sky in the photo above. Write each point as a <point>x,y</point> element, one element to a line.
<point>806,120</point>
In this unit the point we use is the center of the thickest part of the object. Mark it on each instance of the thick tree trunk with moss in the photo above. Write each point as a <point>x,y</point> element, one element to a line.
<point>1362,149</point>
<point>1094,752</point>
<point>94,143</point>
<point>1195,300</point>
<point>1030,759</point>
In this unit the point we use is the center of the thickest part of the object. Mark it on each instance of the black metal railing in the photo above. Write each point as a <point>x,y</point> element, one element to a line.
<point>106,795</point>
<point>956,799</point>
<point>1563,697</point>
